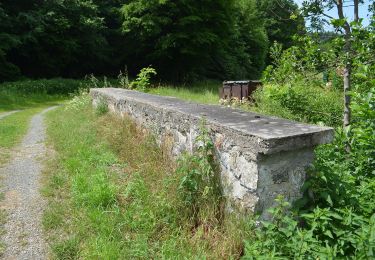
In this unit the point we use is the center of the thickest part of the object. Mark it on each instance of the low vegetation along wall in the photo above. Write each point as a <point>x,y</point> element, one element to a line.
<point>260,157</point>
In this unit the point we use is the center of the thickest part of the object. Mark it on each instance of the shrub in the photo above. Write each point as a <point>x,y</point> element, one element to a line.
<point>336,217</point>
<point>300,102</point>
<point>284,238</point>
<point>142,82</point>
<point>123,79</point>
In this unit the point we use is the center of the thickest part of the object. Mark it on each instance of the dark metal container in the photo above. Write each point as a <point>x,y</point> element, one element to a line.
<point>238,89</point>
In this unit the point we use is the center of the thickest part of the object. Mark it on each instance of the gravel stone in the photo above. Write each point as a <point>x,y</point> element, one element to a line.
<point>23,238</point>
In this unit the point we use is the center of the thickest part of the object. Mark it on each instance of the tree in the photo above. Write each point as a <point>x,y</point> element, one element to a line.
<point>183,39</point>
<point>316,10</point>
<point>177,37</point>
<point>186,40</point>
<point>282,20</point>
<point>8,41</point>
<point>55,38</point>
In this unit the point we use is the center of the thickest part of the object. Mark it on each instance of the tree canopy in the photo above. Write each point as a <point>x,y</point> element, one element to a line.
<point>183,39</point>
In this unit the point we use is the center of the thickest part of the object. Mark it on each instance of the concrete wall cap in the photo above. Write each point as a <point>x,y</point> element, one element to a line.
<point>276,134</point>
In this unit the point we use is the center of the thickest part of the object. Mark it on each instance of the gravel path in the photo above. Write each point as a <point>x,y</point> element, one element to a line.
<point>7,114</point>
<point>23,238</point>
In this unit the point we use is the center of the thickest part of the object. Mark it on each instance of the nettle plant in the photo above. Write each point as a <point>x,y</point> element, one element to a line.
<point>199,186</point>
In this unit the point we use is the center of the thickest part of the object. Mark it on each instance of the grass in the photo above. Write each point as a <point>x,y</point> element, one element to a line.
<point>13,128</point>
<point>113,195</point>
<point>204,92</point>
<point>30,97</point>
<point>34,93</point>
<point>3,217</point>
<point>10,102</point>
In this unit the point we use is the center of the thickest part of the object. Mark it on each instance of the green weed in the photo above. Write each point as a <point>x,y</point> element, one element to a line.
<point>199,185</point>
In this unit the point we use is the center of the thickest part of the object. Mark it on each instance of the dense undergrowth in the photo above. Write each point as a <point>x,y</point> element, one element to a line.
<point>122,198</point>
<point>336,216</point>
<point>313,104</point>
<point>115,195</point>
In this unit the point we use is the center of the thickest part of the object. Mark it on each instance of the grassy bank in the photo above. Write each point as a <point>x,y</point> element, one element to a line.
<point>113,194</point>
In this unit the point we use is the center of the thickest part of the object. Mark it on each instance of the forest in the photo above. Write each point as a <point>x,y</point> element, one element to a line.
<point>109,190</point>
<point>183,40</point>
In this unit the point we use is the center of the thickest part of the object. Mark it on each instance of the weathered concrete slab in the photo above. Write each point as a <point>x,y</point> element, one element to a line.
<point>260,156</point>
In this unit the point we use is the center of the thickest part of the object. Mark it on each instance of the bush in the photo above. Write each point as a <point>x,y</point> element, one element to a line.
<point>142,82</point>
<point>351,236</point>
<point>300,102</point>
<point>336,217</point>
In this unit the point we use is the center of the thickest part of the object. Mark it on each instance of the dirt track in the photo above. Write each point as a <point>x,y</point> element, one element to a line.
<point>23,204</point>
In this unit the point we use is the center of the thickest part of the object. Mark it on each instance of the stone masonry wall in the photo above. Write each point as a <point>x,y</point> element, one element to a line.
<point>260,156</point>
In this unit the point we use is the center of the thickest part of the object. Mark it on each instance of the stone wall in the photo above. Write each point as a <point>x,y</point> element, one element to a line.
<point>259,156</point>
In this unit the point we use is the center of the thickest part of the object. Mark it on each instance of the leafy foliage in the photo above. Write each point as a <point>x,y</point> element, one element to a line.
<point>284,238</point>
<point>282,20</point>
<point>142,82</point>
<point>199,186</point>
<point>336,216</point>
<point>311,104</point>
<point>184,40</point>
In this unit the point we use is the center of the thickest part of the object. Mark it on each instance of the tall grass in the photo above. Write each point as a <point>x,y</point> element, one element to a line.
<point>114,195</point>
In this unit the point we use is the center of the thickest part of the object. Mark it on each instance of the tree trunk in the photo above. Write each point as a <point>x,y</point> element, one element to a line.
<point>347,110</point>
<point>348,67</point>
<point>356,10</point>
